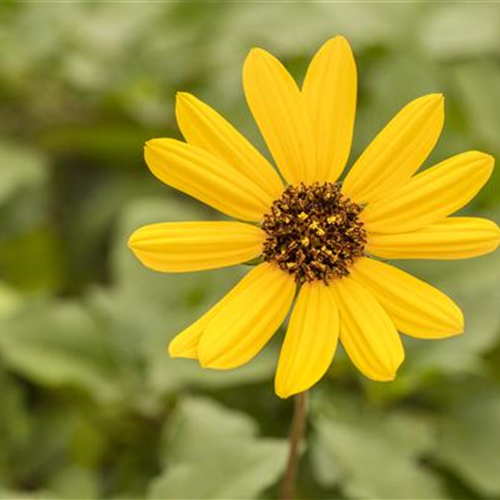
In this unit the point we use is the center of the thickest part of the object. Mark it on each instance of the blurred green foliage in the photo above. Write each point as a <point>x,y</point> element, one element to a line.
<point>91,406</point>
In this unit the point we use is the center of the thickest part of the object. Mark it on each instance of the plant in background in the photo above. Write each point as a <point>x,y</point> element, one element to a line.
<point>315,240</point>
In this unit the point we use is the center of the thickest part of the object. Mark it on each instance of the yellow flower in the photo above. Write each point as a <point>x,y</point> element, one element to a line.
<point>315,236</point>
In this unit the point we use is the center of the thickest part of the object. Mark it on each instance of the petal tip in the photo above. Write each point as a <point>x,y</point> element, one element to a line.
<point>283,390</point>
<point>381,377</point>
<point>487,163</point>
<point>210,363</point>
<point>490,158</point>
<point>341,40</point>
<point>172,351</point>
<point>390,376</point>
<point>486,156</point>
<point>130,241</point>
<point>254,51</point>
<point>436,100</point>
<point>133,240</point>
<point>438,97</point>
<point>175,350</point>
<point>336,44</point>
<point>496,235</point>
<point>183,98</point>
<point>392,373</point>
<point>456,326</point>
<point>256,54</point>
<point>494,231</point>
<point>204,358</point>
<point>151,144</point>
<point>282,394</point>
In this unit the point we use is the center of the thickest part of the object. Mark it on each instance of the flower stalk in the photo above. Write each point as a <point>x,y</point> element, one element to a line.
<point>287,490</point>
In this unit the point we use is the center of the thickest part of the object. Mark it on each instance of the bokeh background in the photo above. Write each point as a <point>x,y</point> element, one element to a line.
<point>90,405</point>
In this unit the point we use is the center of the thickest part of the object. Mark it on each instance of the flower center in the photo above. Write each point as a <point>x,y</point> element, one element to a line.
<point>314,232</point>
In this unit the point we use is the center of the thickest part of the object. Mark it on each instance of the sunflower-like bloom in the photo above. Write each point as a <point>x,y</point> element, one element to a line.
<point>318,240</point>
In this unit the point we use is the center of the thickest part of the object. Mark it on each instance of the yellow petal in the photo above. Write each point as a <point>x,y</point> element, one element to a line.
<point>207,178</point>
<point>203,127</point>
<point>330,94</point>
<point>431,195</point>
<point>310,341</point>
<point>449,239</point>
<point>279,110</point>
<point>185,344</point>
<point>177,247</point>
<point>397,151</point>
<point>417,309</point>
<point>367,332</point>
<point>248,319</point>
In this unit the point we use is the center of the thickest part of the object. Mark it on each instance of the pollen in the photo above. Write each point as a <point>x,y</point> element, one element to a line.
<point>314,232</point>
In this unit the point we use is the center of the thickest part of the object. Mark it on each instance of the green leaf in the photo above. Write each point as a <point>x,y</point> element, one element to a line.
<point>213,452</point>
<point>21,168</point>
<point>22,495</point>
<point>23,189</point>
<point>41,254</point>
<point>10,300</point>
<point>371,453</point>
<point>458,30</point>
<point>74,482</point>
<point>469,440</point>
<point>58,344</point>
<point>41,449</point>
<point>476,83</point>
<point>15,424</point>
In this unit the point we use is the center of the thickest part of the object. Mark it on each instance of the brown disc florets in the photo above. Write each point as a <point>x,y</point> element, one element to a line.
<point>314,232</point>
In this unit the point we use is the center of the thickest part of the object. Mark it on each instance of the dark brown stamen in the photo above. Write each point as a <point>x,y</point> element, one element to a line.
<point>314,232</point>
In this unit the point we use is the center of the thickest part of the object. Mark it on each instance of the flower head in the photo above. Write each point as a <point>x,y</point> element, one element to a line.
<point>314,232</point>
<point>319,240</point>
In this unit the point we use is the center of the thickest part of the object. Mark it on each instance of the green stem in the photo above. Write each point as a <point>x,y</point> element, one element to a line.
<point>287,491</point>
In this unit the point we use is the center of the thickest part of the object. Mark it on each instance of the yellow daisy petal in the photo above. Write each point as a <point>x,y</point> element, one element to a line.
<point>185,344</point>
<point>398,150</point>
<point>248,319</point>
<point>431,195</point>
<point>203,127</point>
<point>194,246</point>
<point>330,94</point>
<point>417,309</point>
<point>280,112</point>
<point>310,342</point>
<point>207,178</point>
<point>367,332</point>
<point>449,239</point>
